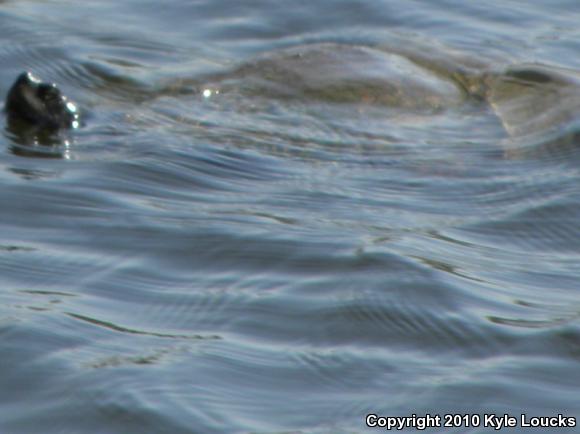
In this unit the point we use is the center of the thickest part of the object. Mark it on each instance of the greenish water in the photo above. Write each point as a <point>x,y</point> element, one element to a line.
<point>221,250</point>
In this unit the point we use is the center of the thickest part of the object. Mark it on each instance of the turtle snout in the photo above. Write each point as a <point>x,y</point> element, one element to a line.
<point>26,79</point>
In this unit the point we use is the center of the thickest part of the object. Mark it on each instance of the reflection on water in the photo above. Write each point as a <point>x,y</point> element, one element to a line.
<point>283,219</point>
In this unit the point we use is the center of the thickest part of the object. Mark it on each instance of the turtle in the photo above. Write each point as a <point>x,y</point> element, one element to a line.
<point>32,103</point>
<point>406,74</point>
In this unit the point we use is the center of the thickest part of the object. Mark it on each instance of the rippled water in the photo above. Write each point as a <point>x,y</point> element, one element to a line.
<point>217,252</point>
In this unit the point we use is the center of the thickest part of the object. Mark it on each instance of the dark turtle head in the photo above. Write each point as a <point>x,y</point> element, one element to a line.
<point>39,104</point>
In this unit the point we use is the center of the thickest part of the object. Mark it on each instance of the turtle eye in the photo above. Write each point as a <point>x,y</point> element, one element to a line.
<point>47,92</point>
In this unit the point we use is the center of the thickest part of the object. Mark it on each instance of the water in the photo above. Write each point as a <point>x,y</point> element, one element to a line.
<point>249,262</point>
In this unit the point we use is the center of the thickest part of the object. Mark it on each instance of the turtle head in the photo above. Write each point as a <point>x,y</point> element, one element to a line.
<point>39,104</point>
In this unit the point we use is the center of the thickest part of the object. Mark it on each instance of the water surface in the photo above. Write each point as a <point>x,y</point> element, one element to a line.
<point>240,262</point>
